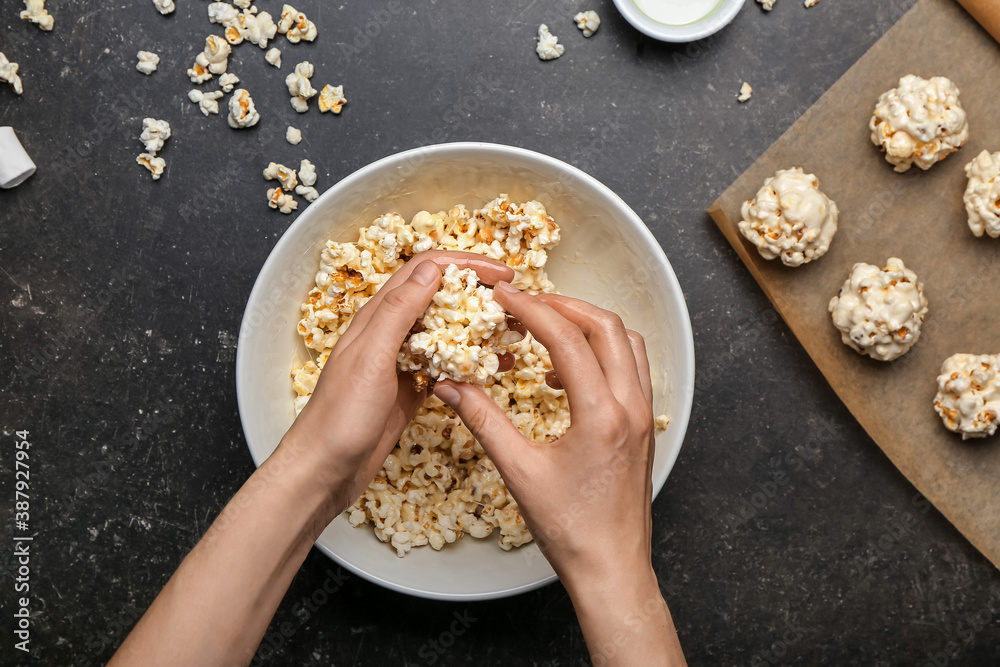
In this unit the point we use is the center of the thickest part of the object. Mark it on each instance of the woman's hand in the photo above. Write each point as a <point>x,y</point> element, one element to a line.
<point>361,404</point>
<point>586,497</point>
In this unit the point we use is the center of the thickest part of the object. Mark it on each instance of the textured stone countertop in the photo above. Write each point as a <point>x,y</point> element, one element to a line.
<point>783,536</point>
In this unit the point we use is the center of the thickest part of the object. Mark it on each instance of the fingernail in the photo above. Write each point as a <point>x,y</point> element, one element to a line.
<point>426,273</point>
<point>505,286</point>
<point>448,394</point>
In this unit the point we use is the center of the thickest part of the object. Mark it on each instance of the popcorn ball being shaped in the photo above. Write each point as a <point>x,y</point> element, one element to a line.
<point>790,218</point>
<point>879,311</point>
<point>464,332</point>
<point>920,122</point>
<point>982,195</point>
<point>968,398</point>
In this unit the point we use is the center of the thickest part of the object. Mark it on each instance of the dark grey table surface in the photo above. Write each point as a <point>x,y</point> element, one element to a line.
<point>783,535</point>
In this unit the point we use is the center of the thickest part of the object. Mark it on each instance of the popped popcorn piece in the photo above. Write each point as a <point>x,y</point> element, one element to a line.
<point>282,174</point>
<point>790,218</point>
<point>277,198</point>
<point>242,112</point>
<point>208,103</point>
<point>8,73</point>
<point>462,328</point>
<point>438,484</point>
<point>293,135</point>
<point>307,173</point>
<point>746,91</point>
<point>164,6</point>
<point>331,98</point>
<point>879,311</point>
<point>228,81</point>
<point>982,194</point>
<point>308,193</point>
<point>213,60</point>
<point>243,4</point>
<point>147,62</point>
<point>224,14</point>
<point>921,122</point>
<point>154,134</point>
<point>156,165</point>
<point>548,47</point>
<point>273,56</point>
<point>35,12</point>
<point>767,5</point>
<point>256,28</point>
<point>968,398</point>
<point>810,3</point>
<point>588,22</point>
<point>299,86</point>
<point>661,422</point>
<point>294,25</point>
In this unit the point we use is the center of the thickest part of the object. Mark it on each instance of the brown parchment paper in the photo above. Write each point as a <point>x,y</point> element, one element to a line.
<point>987,12</point>
<point>919,217</point>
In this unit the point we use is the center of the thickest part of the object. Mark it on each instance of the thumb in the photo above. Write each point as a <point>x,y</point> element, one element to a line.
<point>491,426</point>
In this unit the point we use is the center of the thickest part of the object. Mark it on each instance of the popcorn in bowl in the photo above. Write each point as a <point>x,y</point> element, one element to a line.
<point>464,331</point>
<point>879,311</point>
<point>438,484</point>
<point>982,195</point>
<point>921,122</point>
<point>790,218</point>
<point>968,398</point>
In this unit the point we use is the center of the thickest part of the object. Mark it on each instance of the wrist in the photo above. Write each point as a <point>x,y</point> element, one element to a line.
<point>308,484</point>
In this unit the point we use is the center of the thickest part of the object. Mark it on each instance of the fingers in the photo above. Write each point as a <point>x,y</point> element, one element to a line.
<point>571,354</point>
<point>642,365</point>
<point>608,339</point>
<point>491,426</point>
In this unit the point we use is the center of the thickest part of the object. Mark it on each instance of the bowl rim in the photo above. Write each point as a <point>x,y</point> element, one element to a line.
<point>715,21</point>
<point>683,379</point>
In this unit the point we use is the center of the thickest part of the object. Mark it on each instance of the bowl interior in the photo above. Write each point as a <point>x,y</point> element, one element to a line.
<point>713,21</point>
<point>606,256</point>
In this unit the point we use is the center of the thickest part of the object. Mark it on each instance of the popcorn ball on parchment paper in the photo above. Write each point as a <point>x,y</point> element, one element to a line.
<point>879,311</point>
<point>464,332</point>
<point>921,122</point>
<point>968,398</point>
<point>982,195</point>
<point>790,218</point>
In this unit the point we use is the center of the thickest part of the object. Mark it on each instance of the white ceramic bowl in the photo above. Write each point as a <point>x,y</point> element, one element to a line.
<point>682,31</point>
<point>607,255</point>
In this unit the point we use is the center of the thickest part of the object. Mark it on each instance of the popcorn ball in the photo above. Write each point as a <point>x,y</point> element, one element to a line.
<point>968,398</point>
<point>790,218</point>
<point>879,311</point>
<point>920,122</point>
<point>982,195</point>
<point>463,332</point>
<point>438,484</point>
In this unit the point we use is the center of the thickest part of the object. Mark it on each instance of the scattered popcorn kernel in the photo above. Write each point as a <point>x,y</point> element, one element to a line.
<point>921,122</point>
<point>768,5</point>
<point>164,6</point>
<point>293,135</point>
<point>282,174</point>
<point>154,134</point>
<point>294,25</point>
<point>228,81</point>
<point>208,103</point>
<point>156,165</point>
<point>224,14</point>
<point>147,62</point>
<point>243,4</point>
<point>307,173</point>
<point>332,99</point>
<point>35,12</point>
<point>8,73</point>
<point>810,3</point>
<point>278,199</point>
<point>307,192</point>
<point>273,56</point>
<point>982,194</point>
<point>198,73</point>
<point>242,112</point>
<point>299,86</point>
<point>215,57</point>
<point>879,311</point>
<point>790,218</point>
<point>588,22</point>
<point>661,422</point>
<point>968,398</point>
<point>548,47</point>
<point>745,92</point>
<point>256,28</point>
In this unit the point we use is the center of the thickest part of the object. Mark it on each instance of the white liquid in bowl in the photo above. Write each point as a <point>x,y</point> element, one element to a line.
<point>676,12</point>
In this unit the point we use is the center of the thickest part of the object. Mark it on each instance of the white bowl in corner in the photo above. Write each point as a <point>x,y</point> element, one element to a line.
<point>679,20</point>
<point>607,255</point>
